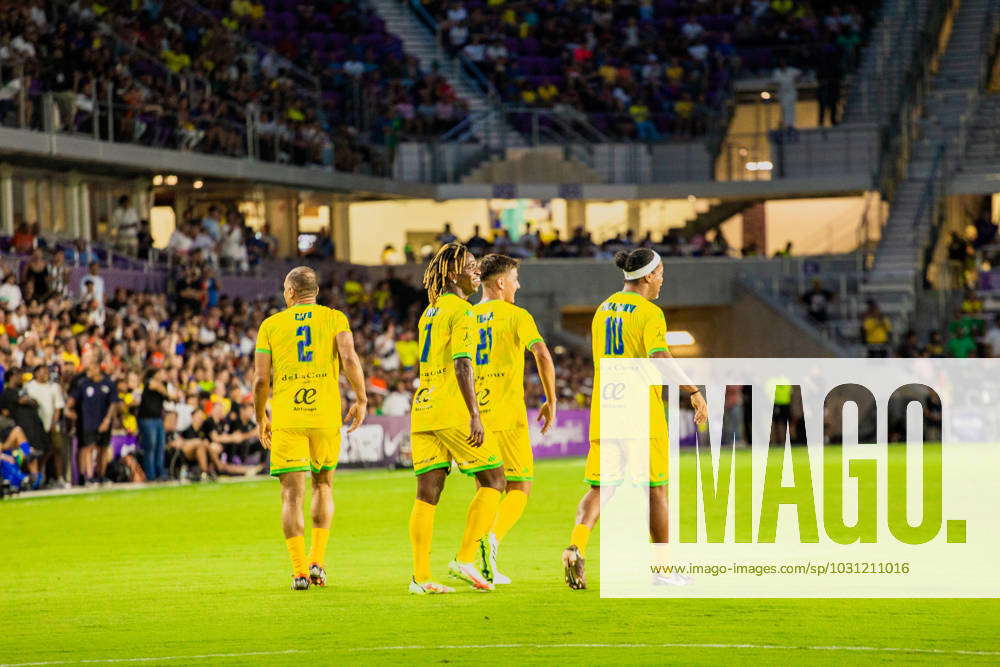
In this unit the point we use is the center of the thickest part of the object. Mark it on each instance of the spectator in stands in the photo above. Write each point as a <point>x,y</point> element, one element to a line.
<point>408,350</point>
<point>786,78</point>
<point>24,239</point>
<point>35,283</point>
<point>125,226</point>
<point>962,345</point>
<point>10,293</point>
<point>397,401</point>
<point>95,281</point>
<point>211,224</point>
<point>233,250</point>
<point>50,402</point>
<point>446,237</point>
<point>477,244</point>
<point>23,409</point>
<point>57,274</point>
<point>935,345</point>
<point>910,347</point>
<point>875,330</point>
<point>817,301</point>
<point>991,339</point>
<point>152,436</point>
<point>93,403</point>
<point>322,246</point>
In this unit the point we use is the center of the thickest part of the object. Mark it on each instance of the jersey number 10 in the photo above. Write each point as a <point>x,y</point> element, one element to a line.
<point>614,341</point>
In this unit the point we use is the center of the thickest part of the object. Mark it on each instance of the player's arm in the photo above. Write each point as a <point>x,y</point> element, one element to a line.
<point>262,392</point>
<point>461,354</point>
<point>547,374</point>
<point>467,385</point>
<point>655,340</point>
<point>355,374</point>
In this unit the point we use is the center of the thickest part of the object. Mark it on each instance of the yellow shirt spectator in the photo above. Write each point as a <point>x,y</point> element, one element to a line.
<point>877,329</point>
<point>684,108</point>
<point>608,73</point>
<point>639,112</point>
<point>509,17</point>
<point>174,61</point>
<point>354,292</point>
<point>529,96</point>
<point>409,352</point>
<point>548,92</point>
<point>675,73</point>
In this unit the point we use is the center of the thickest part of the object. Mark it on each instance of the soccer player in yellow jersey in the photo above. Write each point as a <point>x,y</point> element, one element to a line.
<point>627,325</point>
<point>503,332</point>
<point>445,424</point>
<point>304,347</point>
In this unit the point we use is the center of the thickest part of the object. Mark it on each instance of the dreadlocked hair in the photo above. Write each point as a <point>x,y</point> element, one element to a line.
<point>450,258</point>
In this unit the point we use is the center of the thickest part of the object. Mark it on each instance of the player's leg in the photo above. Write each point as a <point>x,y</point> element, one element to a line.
<point>290,463</point>
<point>322,516</point>
<point>293,488</point>
<point>515,448</point>
<point>431,463</point>
<point>588,511</point>
<point>324,451</point>
<point>486,464</point>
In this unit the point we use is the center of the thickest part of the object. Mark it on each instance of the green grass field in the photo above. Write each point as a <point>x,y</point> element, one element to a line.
<point>199,574</point>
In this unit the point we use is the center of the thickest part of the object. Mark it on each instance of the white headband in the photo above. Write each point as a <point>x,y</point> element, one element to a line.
<point>644,271</point>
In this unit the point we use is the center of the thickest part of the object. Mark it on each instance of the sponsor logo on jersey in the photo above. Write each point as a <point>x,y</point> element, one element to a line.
<point>305,396</point>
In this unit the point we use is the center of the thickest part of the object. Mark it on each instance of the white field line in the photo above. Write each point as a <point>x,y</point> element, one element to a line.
<point>374,649</point>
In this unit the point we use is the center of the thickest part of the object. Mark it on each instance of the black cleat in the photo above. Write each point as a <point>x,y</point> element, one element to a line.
<point>300,583</point>
<point>317,575</point>
<point>573,564</point>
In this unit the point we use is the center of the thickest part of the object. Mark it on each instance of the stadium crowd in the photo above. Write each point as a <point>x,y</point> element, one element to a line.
<point>320,82</point>
<point>650,69</point>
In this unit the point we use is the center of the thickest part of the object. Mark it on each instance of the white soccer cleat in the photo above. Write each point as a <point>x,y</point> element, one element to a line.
<point>673,579</point>
<point>429,588</point>
<point>490,549</point>
<point>470,574</point>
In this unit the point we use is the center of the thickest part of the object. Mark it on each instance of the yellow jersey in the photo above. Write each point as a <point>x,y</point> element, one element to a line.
<point>445,330</point>
<point>503,332</point>
<point>628,325</point>
<point>305,365</point>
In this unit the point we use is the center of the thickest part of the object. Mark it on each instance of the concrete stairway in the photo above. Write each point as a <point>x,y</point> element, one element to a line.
<point>896,274</point>
<point>419,41</point>
<point>982,153</point>
<point>872,88</point>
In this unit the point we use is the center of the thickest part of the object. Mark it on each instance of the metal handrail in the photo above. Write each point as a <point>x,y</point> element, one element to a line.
<point>466,68</point>
<point>899,130</point>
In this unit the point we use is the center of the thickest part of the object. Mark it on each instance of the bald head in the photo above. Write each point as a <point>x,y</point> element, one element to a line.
<point>300,285</point>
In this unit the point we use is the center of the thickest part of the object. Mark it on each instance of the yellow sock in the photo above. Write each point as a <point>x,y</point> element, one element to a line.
<point>580,537</point>
<point>421,532</point>
<point>317,554</point>
<point>297,550</point>
<point>482,515</point>
<point>511,509</point>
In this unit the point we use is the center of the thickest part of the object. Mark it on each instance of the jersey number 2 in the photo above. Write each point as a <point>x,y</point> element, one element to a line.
<point>305,342</point>
<point>614,342</point>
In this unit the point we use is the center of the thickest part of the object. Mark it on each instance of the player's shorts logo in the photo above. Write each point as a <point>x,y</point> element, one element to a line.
<point>305,396</point>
